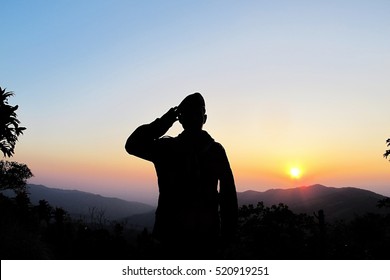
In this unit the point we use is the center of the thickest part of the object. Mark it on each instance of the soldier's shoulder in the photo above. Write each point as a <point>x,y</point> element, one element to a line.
<point>218,147</point>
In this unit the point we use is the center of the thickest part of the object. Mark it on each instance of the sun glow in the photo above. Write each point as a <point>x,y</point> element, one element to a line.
<point>295,172</point>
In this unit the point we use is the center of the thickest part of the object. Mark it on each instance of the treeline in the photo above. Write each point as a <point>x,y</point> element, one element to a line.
<point>43,232</point>
<point>277,233</point>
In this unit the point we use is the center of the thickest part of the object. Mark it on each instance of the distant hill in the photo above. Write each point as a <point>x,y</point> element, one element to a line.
<point>78,203</point>
<point>337,203</point>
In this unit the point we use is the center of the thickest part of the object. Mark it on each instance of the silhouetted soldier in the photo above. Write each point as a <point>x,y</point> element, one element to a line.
<point>192,216</point>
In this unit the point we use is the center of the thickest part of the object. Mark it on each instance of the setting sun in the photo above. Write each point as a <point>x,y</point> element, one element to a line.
<point>295,173</point>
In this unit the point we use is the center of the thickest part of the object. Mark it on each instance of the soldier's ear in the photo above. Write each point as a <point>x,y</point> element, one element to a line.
<point>204,118</point>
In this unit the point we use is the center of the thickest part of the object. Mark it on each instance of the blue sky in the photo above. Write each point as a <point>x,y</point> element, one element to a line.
<point>286,83</point>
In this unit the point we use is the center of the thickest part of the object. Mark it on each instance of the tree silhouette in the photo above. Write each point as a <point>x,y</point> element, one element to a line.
<point>387,152</point>
<point>13,176</point>
<point>276,233</point>
<point>384,203</point>
<point>45,210</point>
<point>9,124</point>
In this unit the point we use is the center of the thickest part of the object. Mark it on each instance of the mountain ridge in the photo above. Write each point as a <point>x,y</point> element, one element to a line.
<point>79,203</point>
<point>337,203</point>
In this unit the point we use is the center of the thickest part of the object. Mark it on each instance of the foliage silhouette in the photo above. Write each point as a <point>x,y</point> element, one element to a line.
<point>384,203</point>
<point>9,124</point>
<point>45,232</point>
<point>277,233</point>
<point>387,152</point>
<point>45,211</point>
<point>13,176</point>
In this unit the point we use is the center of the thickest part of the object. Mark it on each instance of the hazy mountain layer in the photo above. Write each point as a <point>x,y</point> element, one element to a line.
<point>79,203</point>
<point>337,203</point>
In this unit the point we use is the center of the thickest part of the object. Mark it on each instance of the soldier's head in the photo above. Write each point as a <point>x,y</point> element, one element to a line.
<point>192,112</point>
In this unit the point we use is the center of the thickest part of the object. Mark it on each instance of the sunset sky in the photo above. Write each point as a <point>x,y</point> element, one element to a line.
<point>287,84</point>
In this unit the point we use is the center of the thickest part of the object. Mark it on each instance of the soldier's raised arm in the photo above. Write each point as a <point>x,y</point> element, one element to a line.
<point>141,142</point>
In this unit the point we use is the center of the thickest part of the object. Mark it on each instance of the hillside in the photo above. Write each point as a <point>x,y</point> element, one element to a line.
<point>274,234</point>
<point>337,203</point>
<point>78,203</point>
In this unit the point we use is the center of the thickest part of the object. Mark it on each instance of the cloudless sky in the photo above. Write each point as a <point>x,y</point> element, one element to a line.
<point>286,83</point>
